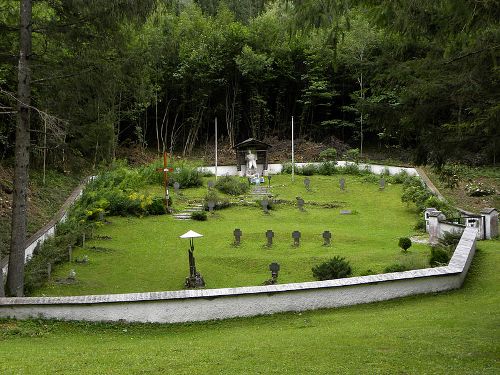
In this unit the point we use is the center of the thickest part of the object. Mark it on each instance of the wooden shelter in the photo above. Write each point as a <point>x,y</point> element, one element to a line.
<point>257,147</point>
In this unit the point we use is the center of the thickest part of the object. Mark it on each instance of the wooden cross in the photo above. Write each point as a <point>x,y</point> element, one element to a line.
<point>166,169</point>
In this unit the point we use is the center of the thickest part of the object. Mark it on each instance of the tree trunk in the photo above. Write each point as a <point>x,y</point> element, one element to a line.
<point>15,277</point>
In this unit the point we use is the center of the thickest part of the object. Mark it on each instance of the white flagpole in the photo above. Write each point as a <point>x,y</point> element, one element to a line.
<point>216,149</point>
<point>293,156</point>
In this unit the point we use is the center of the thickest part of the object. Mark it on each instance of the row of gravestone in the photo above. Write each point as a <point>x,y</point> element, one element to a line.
<point>327,236</point>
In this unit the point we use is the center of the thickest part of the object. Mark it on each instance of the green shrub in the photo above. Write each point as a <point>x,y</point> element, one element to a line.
<point>199,215</point>
<point>404,243</point>
<point>335,268</point>
<point>352,155</point>
<point>220,202</point>
<point>352,169</point>
<point>157,207</point>
<point>450,239</point>
<point>439,256</point>
<point>396,267</point>
<point>398,178</point>
<point>186,177</point>
<point>330,154</point>
<point>327,168</point>
<point>232,185</point>
<point>307,170</point>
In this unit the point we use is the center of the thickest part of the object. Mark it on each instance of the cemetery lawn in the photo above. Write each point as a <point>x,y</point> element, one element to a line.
<point>145,254</point>
<point>449,333</point>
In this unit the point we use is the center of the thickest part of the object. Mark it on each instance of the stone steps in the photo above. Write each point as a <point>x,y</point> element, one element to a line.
<point>186,213</point>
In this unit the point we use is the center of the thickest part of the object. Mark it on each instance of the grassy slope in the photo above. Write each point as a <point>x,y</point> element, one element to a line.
<point>456,332</point>
<point>147,255</point>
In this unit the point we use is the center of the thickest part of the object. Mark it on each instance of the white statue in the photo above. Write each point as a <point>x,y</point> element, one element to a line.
<point>251,159</point>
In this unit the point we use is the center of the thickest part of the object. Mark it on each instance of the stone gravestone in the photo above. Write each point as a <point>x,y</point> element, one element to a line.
<point>211,184</point>
<point>300,203</point>
<point>342,184</point>
<point>307,183</point>
<point>265,205</point>
<point>211,205</point>
<point>274,268</point>
<point>237,236</point>
<point>269,180</point>
<point>382,184</point>
<point>177,186</point>
<point>269,236</point>
<point>296,238</point>
<point>326,238</point>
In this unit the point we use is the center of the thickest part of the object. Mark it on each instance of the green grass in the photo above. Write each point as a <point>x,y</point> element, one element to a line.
<point>448,333</point>
<point>146,254</point>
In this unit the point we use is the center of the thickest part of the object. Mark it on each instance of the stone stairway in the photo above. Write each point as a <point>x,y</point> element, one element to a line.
<point>186,213</point>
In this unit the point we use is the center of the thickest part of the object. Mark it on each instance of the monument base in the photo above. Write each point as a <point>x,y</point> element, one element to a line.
<point>196,281</point>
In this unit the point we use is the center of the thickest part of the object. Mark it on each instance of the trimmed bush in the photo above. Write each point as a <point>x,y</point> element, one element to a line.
<point>327,168</point>
<point>335,268</point>
<point>199,215</point>
<point>330,154</point>
<point>232,185</point>
<point>186,177</point>
<point>404,243</point>
<point>396,267</point>
<point>213,196</point>
<point>439,257</point>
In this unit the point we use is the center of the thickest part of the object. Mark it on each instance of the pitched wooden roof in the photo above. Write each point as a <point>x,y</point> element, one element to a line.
<point>252,143</point>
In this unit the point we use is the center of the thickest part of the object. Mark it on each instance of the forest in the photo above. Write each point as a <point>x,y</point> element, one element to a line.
<point>419,75</point>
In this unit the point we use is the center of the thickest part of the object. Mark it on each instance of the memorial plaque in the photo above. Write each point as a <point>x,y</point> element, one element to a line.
<point>177,186</point>
<point>296,238</point>
<point>274,268</point>
<point>211,184</point>
<point>211,205</point>
<point>307,183</point>
<point>342,184</point>
<point>345,212</point>
<point>300,203</point>
<point>382,183</point>
<point>269,236</point>
<point>237,236</point>
<point>265,205</point>
<point>326,238</point>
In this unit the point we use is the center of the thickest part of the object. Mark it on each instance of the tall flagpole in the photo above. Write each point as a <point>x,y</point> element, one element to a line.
<point>293,156</point>
<point>215,148</point>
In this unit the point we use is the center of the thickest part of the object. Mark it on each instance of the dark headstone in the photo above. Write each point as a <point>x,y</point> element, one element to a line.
<point>300,203</point>
<point>177,186</point>
<point>101,215</point>
<point>265,205</point>
<point>269,180</point>
<point>269,236</point>
<point>296,238</point>
<point>211,184</point>
<point>211,205</point>
<point>382,183</point>
<point>237,236</point>
<point>326,238</point>
<point>307,183</point>
<point>342,184</point>
<point>274,268</point>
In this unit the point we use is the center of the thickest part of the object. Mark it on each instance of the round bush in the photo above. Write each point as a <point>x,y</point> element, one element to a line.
<point>404,243</point>
<point>199,215</point>
<point>231,185</point>
<point>335,268</point>
<point>439,257</point>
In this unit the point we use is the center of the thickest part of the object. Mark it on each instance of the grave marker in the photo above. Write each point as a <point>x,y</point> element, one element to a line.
<point>326,238</point>
<point>300,203</point>
<point>296,238</point>
<point>345,212</point>
<point>382,184</point>
<point>307,183</point>
<point>211,205</point>
<point>237,236</point>
<point>265,205</point>
<point>274,268</point>
<point>210,184</point>
<point>177,186</point>
<point>342,184</point>
<point>269,180</point>
<point>269,236</point>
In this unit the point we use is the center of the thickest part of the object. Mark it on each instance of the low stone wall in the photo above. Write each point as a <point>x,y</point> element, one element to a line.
<point>277,168</point>
<point>209,304</point>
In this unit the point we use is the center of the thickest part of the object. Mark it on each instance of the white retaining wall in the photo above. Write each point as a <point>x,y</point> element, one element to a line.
<point>208,304</point>
<point>277,168</point>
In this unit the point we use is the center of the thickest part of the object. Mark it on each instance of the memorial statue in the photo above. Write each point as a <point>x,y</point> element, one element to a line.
<point>251,159</point>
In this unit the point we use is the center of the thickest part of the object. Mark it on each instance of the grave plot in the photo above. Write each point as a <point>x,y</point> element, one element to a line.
<point>240,242</point>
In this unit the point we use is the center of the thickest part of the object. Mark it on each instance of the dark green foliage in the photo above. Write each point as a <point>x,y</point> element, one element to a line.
<point>404,243</point>
<point>186,177</point>
<point>450,239</point>
<point>157,206</point>
<point>439,256</point>
<point>396,267</point>
<point>220,202</point>
<point>330,154</point>
<point>232,185</point>
<point>307,170</point>
<point>199,215</point>
<point>335,268</point>
<point>327,168</point>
